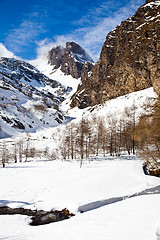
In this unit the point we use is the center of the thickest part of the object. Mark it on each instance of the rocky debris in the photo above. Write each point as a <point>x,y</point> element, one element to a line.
<point>49,217</point>
<point>129,60</point>
<point>72,60</point>
<point>39,217</point>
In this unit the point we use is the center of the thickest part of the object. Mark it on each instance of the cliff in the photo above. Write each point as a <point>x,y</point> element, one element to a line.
<point>129,60</point>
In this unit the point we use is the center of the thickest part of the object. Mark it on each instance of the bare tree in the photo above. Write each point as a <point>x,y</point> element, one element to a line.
<point>100,136</point>
<point>112,135</point>
<point>20,149</point>
<point>26,151</point>
<point>4,154</point>
<point>83,138</point>
<point>15,152</point>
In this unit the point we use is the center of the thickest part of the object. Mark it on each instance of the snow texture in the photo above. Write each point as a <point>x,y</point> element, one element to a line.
<point>55,185</point>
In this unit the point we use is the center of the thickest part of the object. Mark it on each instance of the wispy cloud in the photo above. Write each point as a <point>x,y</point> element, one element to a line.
<point>95,26</point>
<point>27,32</point>
<point>89,31</point>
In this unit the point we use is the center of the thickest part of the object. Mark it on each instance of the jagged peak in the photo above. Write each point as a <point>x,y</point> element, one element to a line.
<point>71,59</point>
<point>72,48</point>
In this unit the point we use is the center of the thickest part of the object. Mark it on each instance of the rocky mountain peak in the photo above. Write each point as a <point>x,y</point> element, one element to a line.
<point>71,59</point>
<point>74,48</point>
<point>129,60</point>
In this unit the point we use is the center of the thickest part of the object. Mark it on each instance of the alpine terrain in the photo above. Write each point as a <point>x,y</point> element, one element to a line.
<point>129,60</point>
<point>79,140</point>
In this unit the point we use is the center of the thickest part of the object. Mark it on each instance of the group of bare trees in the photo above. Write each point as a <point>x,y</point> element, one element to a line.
<point>103,135</point>
<point>22,150</point>
<point>109,134</point>
<point>147,134</point>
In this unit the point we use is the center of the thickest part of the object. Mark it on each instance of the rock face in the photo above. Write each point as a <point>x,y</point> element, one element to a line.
<point>129,60</point>
<point>72,60</point>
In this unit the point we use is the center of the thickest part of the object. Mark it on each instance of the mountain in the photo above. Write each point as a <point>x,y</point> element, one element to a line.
<point>28,99</point>
<point>68,65</point>
<point>129,60</point>
<point>72,60</point>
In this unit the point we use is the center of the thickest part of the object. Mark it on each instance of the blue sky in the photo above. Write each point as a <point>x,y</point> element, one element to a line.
<point>30,27</point>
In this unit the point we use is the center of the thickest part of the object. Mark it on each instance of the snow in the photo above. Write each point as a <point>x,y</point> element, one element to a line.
<point>66,80</point>
<point>148,19</point>
<point>21,108</point>
<point>116,107</point>
<point>152,4</point>
<point>84,58</point>
<point>56,184</point>
<point>107,189</point>
<point>4,52</point>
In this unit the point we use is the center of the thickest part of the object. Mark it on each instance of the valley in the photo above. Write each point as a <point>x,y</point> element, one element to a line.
<point>80,140</point>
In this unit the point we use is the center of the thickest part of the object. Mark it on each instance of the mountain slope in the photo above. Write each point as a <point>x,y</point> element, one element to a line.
<point>129,59</point>
<point>28,99</point>
<point>69,65</point>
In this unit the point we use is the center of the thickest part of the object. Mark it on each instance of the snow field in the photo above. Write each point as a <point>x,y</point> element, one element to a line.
<point>56,185</point>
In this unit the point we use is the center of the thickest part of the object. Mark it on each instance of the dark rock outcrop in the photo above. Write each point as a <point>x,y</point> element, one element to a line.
<point>39,217</point>
<point>148,1</point>
<point>129,60</point>
<point>72,60</point>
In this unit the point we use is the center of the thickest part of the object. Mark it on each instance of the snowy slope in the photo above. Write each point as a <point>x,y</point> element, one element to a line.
<point>58,184</point>
<point>115,107</point>
<point>47,69</point>
<point>4,52</point>
<point>106,189</point>
<point>28,99</point>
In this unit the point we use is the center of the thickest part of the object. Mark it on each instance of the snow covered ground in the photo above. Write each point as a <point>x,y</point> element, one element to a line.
<point>56,185</point>
<point>116,107</point>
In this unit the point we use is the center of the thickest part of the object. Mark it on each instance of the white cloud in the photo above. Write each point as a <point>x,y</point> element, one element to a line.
<point>27,32</point>
<point>46,44</point>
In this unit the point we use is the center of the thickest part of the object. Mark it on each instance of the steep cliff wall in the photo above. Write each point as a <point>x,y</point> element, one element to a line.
<point>129,60</point>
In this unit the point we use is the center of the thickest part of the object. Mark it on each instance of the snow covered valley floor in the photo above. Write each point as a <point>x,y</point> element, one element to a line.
<point>56,185</point>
